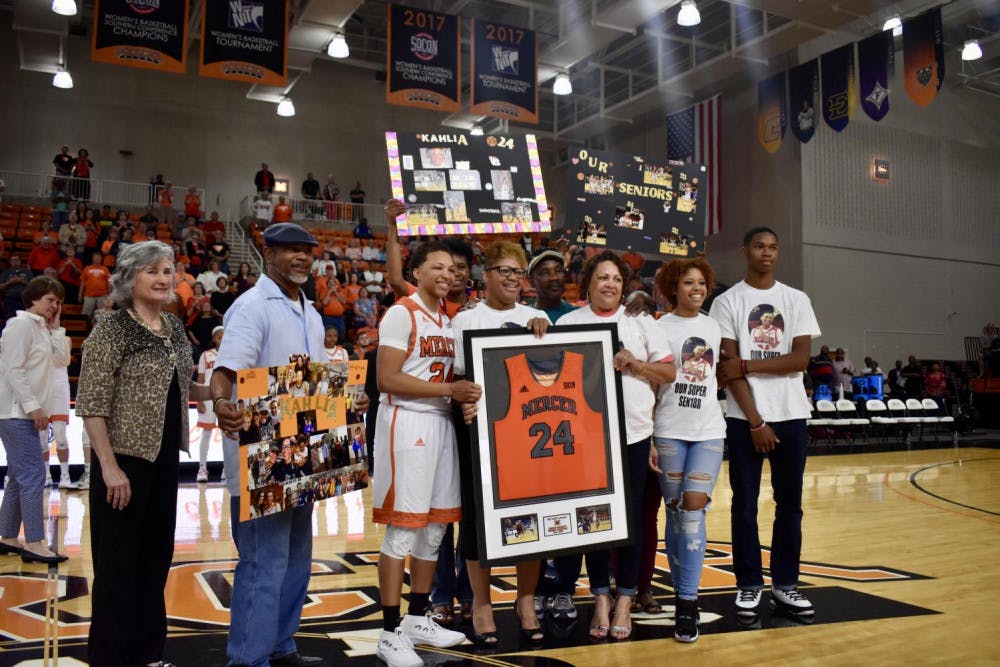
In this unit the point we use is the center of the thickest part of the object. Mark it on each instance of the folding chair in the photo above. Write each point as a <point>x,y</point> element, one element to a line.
<point>848,412</point>
<point>933,409</point>
<point>880,417</point>
<point>907,422</point>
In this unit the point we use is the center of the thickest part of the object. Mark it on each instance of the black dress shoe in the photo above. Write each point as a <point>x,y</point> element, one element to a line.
<point>7,550</point>
<point>32,557</point>
<point>298,660</point>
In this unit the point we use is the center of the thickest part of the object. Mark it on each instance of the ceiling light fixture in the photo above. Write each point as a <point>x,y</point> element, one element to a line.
<point>62,79</point>
<point>286,108</point>
<point>688,15</point>
<point>562,85</point>
<point>894,24</point>
<point>64,7</point>
<point>972,50</point>
<point>338,47</point>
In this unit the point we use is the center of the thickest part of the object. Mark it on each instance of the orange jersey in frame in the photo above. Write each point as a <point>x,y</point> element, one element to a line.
<point>550,442</point>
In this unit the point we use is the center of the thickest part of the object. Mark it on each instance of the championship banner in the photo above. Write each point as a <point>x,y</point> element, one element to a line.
<point>772,113</point>
<point>837,71</point>
<point>461,184</point>
<point>802,99</point>
<point>301,440</point>
<point>623,202</point>
<point>424,59</point>
<point>923,56</point>
<point>245,40</point>
<point>151,34</point>
<point>876,57</point>
<point>504,72</point>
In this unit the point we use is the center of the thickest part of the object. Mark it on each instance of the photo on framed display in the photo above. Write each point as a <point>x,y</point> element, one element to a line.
<point>547,442</point>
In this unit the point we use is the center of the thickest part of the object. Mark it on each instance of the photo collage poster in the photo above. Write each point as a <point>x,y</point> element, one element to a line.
<point>627,202</point>
<point>464,184</point>
<point>301,440</point>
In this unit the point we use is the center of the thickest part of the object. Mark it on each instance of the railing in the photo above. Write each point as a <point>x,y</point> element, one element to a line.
<point>313,211</point>
<point>251,254</point>
<point>98,191</point>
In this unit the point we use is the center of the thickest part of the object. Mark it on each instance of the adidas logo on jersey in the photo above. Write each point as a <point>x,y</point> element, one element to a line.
<point>524,389</point>
<point>419,443</point>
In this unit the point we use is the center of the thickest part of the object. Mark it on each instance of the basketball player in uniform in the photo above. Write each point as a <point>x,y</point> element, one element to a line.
<point>695,368</point>
<point>416,487</point>
<point>206,413</point>
<point>57,406</point>
<point>503,273</point>
<point>766,336</point>
<point>766,418</point>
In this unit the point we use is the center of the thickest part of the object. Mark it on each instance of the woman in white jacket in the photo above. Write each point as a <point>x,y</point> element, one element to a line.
<point>33,343</point>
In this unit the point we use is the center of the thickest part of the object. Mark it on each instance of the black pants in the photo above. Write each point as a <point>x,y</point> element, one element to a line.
<point>132,550</point>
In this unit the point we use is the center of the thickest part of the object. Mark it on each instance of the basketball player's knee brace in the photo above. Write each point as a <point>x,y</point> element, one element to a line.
<point>429,541</point>
<point>59,434</point>
<point>399,542</point>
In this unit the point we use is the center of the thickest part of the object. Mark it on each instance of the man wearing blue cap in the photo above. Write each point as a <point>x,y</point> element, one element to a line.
<point>264,326</point>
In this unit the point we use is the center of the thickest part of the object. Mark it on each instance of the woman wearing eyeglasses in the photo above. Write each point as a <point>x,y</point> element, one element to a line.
<point>135,383</point>
<point>503,274</point>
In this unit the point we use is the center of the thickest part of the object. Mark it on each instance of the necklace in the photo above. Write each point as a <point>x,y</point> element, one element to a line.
<point>163,334</point>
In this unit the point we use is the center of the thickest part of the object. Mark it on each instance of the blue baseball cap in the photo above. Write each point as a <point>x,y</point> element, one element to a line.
<point>288,233</point>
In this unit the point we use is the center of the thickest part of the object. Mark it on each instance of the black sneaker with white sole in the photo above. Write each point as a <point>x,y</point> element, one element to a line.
<point>792,601</point>
<point>747,600</point>
<point>686,620</point>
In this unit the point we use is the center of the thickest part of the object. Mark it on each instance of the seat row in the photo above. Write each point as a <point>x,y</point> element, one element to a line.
<point>882,419</point>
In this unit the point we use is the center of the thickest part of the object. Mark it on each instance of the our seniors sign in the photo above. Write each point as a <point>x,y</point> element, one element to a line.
<point>455,183</point>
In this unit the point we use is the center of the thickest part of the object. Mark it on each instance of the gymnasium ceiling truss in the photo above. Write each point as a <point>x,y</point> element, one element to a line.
<point>625,58</point>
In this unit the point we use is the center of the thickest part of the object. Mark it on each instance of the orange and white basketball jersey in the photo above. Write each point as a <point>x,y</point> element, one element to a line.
<point>550,442</point>
<point>430,354</point>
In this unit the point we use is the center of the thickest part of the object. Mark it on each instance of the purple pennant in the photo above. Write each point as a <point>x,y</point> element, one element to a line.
<point>876,58</point>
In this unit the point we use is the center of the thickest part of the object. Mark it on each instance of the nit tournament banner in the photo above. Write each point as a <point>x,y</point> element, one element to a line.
<point>621,201</point>
<point>245,40</point>
<point>151,34</point>
<point>504,72</point>
<point>301,439</point>
<point>461,184</point>
<point>923,56</point>
<point>424,59</point>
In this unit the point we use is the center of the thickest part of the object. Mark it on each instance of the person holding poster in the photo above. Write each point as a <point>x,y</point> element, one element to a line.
<point>689,428</point>
<point>766,418</point>
<point>416,487</point>
<point>503,275</point>
<point>265,326</point>
<point>644,360</point>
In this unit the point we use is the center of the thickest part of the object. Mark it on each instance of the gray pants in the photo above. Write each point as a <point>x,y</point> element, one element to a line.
<point>22,499</point>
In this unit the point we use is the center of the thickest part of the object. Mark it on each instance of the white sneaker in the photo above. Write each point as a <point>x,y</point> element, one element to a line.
<point>202,475</point>
<point>84,482</point>
<point>792,601</point>
<point>541,605</point>
<point>425,630</point>
<point>223,478</point>
<point>396,649</point>
<point>66,483</point>
<point>747,600</point>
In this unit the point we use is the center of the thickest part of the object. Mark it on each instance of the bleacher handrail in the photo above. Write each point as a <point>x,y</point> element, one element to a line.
<point>318,212</point>
<point>102,190</point>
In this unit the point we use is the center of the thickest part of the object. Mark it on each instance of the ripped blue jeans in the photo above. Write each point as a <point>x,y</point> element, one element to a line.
<point>687,467</point>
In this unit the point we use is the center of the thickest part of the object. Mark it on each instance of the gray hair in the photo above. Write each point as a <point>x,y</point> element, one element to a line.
<point>131,260</point>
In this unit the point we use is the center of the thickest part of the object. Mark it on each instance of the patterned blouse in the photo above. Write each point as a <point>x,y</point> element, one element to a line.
<point>125,377</point>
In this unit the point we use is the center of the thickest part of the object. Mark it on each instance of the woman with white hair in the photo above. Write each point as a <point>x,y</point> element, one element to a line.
<point>135,383</point>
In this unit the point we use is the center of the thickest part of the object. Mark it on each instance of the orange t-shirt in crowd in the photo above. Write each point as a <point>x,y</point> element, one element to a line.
<point>68,275</point>
<point>95,280</point>
<point>109,259</point>
<point>333,307</point>
<point>212,226</point>
<point>192,205</point>
<point>282,213</point>
<point>167,197</point>
<point>38,236</point>
<point>634,260</point>
<point>182,288</point>
<point>41,258</point>
<point>351,293</point>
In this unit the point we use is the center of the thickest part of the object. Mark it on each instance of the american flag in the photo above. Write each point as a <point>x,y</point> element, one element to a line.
<point>694,135</point>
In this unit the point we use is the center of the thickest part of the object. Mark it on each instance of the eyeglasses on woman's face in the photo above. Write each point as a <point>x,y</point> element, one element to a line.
<point>507,272</point>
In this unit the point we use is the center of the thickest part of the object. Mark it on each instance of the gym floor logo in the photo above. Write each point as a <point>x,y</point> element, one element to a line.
<point>342,622</point>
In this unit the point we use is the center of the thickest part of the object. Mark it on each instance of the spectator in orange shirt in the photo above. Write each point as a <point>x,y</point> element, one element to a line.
<point>109,248</point>
<point>42,256</point>
<point>282,212</point>
<point>329,300</point>
<point>70,269</point>
<point>213,224</point>
<point>46,231</point>
<point>167,202</point>
<point>352,290</point>
<point>634,260</point>
<point>192,203</point>
<point>94,283</point>
<point>183,283</point>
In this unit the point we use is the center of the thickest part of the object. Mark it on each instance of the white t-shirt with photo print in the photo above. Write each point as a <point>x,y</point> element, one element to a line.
<point>765,322</point>
<point>688,408</point>
<point>484,317</point>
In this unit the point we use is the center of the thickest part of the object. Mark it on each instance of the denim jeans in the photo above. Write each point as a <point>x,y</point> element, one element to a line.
<point>788,463</point>
<point>22,499</point>
<point>451,580</point>
<point>687,466</point>
<point>269,588</point>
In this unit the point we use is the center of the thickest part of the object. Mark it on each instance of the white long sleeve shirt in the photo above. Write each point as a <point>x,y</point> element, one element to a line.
<point>28,353</point>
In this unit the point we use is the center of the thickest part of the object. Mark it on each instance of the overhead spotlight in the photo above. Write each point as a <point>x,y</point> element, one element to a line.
<point>286,108</point>
<point>972,50</point>
<point>562,85</point>
<point>476,131</point>
<point>894,24</point>
<point>64,7</point>
<point>338,47</point>
<point>688,15</point>
<point>62,79</point>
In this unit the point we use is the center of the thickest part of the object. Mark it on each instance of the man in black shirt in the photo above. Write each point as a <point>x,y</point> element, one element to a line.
<point>64,162</point>
<point>310,190</point>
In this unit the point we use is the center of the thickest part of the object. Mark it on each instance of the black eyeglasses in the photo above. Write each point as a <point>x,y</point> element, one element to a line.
<point>508,272</point>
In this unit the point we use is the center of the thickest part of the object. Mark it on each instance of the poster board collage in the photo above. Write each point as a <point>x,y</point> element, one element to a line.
<point>463,184</point>
<point>301,441</point>
<point>627,202</point>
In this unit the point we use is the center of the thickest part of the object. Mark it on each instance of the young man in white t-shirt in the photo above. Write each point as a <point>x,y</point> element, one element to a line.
<point>767,411</point>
